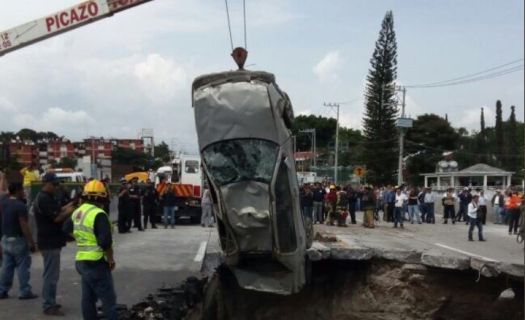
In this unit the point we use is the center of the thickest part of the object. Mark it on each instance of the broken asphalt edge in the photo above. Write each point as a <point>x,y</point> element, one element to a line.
<point>347,249</point>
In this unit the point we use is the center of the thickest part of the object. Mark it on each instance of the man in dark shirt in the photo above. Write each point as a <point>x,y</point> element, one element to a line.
<point>134,204</point>
<point>149,203</point>
<point>123,208</point>
<point>17,242</point>
<point>318,197</point>
<point>50,215</point>
<point>3,198</point>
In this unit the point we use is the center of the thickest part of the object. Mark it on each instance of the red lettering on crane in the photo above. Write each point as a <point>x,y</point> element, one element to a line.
<point>78,14</point>
<point>93,9</point>
<point>49,22</point>
<point>63,17</point>
<point>74,17</point>
<point>83,15</point>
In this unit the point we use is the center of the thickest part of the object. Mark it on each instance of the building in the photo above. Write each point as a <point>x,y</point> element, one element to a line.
<point>478,175</point>
<point>25,152</point>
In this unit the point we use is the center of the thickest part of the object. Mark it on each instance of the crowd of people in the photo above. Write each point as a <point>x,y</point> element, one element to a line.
<point>335,205</point>
<point>59,219</point>
<point>84,217</point>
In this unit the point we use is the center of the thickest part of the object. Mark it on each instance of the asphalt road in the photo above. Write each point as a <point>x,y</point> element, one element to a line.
<point>149,260</point>
<point>145,261</point>
<point>447,238</point>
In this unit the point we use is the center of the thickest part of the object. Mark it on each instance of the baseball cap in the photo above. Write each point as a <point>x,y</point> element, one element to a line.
<point>50,177</point>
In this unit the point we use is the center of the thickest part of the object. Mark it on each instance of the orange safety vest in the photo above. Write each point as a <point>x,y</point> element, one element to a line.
<point>513,202</point>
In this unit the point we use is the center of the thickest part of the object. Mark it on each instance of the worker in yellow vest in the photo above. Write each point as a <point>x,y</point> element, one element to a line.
<point>92,230</point>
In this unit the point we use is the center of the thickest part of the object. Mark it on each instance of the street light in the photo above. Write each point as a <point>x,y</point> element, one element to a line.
<point>335,105</point>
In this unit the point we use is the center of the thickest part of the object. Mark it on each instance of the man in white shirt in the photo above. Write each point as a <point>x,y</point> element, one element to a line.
<point>429,206</point>
<point>472,213</point>
<point>482,202</point>
<point>398,207</point>
<point>498,201</point>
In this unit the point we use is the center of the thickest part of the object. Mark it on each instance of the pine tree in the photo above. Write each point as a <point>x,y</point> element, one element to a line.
<point>499,134</point>
<point>481,140</point>
<point>482,122</point>
<point>512,142</point>
<point>380,132</point>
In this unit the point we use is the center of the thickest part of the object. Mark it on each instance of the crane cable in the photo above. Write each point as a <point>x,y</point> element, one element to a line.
<point>230,27</point>
<point>244,15</point>
<point>229,23</point>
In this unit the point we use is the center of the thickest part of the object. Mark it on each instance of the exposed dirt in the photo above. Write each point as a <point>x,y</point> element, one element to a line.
<point>344,290</point>
<point>373,290</point>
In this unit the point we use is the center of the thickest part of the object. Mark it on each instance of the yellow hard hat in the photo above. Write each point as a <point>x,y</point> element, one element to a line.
<point>332,186</point>
<point>95,188</point>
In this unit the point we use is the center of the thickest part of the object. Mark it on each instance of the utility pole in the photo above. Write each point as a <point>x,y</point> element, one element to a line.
<point>335,105</point>
<point>313,146</point>
<point>403,123</point>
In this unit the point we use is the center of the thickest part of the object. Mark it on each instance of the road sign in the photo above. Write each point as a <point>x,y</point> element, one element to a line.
<point>359,171</point>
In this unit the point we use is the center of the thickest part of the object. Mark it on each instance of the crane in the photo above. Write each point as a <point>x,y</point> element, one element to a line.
<point>62,21</point>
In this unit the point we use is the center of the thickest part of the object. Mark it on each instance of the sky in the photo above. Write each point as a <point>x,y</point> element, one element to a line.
<point>134,70</point>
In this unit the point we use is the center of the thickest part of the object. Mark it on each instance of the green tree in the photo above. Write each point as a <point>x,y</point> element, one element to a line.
<point>162,152</point>
<point>67,163</point>
<point>380,132</point>
<point>426,141</point>
<point>28,134</point>
<point>138,160</point>
<point>499,147</point>
<point>511,140</point>
<point>324,131</point>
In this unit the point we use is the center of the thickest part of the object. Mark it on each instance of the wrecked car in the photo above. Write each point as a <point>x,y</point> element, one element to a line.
<point>243,123</point>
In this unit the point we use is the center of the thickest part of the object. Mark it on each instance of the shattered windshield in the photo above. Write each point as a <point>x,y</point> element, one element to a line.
<point>240,160</point>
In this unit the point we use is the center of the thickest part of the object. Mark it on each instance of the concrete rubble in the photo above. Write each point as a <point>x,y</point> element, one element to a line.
<point>346,248</point>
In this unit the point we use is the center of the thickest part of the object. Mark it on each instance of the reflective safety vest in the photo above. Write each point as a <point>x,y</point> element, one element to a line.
<point>83,231</point>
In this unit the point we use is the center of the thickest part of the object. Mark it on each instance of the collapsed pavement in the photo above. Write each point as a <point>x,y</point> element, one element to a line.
<point>352,281</point>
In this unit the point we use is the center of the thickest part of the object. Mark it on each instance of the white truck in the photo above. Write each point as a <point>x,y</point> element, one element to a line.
<point>186,178</point>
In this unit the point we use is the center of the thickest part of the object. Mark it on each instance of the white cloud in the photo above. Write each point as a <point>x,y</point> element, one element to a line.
<point>161,78</point>
<point>470,118</point>
<point>327,68</point>
<point>54,119</point>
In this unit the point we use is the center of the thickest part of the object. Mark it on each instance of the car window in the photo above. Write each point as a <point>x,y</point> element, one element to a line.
<point>241,160</point>
<point>284,210</point>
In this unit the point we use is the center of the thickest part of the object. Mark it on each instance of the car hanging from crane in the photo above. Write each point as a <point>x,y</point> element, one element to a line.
<point>243,122</point>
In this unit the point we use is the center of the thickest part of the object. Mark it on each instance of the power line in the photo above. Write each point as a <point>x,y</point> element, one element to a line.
<point>477,76</point>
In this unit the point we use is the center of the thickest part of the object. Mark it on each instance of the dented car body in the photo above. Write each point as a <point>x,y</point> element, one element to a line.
<point>243,123</point>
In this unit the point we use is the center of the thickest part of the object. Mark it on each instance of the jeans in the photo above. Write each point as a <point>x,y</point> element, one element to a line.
<point>97,283</point>
<point>318,211</point>
<point>514,218</point>
<point>497,213</point>
<point>308,212</point>
<point>351,211</point>
<point>169,211</point>
<point>462,213</point>
<point>398,216</point>
<point>16,256</point>
<point>475,222</point>
<point>51,275</point>
<point>207,215</point>
<point>429,208</point>
<point>448,212</point>
<point>413,210</point>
